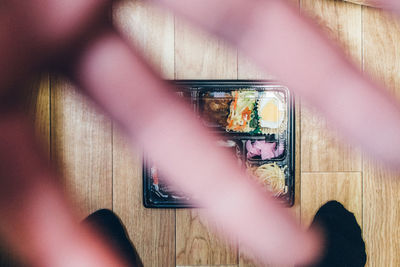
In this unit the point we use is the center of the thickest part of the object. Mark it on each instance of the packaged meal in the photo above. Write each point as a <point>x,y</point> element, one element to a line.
<point>255,123</point>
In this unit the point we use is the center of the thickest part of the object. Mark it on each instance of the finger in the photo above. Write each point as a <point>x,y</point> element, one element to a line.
<point>33,31</point>
<point>120,82</point>
<point>35,219</point>
<point>55,21</point>
<point>274,35</point>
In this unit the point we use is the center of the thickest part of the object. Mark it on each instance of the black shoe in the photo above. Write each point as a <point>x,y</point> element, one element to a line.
<point>110,227</point>
<point>344,245</point>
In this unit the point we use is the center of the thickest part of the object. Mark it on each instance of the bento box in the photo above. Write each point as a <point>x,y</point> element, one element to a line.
<point>254,120</point>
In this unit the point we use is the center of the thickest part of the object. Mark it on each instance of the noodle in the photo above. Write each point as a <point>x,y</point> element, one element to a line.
<point>273,177</point>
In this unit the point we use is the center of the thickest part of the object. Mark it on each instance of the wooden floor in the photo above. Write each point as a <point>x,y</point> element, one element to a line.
<point>100,172</point>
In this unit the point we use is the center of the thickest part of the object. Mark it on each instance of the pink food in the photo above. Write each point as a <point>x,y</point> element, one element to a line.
<point>264,149</point>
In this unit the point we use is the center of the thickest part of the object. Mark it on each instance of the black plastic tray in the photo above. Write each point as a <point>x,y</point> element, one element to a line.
<point>192,90</point>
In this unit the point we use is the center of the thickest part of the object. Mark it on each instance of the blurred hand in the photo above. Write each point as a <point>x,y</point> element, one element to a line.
<point>76,38</point>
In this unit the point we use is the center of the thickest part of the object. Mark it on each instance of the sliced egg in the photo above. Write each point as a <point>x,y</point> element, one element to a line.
<point>271,111</point>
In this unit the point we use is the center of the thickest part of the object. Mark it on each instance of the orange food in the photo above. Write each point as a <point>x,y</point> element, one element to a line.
<point>236,99</point>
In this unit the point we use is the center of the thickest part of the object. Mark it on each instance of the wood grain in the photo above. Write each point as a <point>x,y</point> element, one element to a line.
<point>318,188</point>
<point>152,231</point>
<point>381,215</point>
<point>381,187</point>
<point>38,107</point>
<point>200,56</point>
<point>81,146</point>
<point>197,244</point>
<point>340,21</point>
<point>381,57</point>
<point>322,149</point>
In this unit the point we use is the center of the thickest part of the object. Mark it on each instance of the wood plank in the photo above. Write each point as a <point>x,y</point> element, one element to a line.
<point>381,57</point>
<point>381,215</point>
<point>322,149</point>
<point>200,56</point>
<point>381,186</point>
<point>197,245</point>
<point>81,147</point>
<point>152,231</point>
<point>319,188</point>
<point>340,21</point>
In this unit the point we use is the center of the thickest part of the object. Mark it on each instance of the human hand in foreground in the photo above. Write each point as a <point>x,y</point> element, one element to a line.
<point>76,38</point>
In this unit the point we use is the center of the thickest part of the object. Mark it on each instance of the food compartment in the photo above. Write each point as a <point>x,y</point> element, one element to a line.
<point>159,193</point>
<point>245,110</point>
<point>214,109</point>
<point>242,117</point>
<point>255,122</point>
<point>273,176</point>
<point>272,112</point>
<point>264,149</point>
